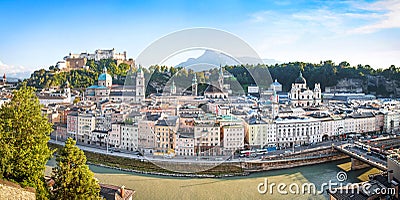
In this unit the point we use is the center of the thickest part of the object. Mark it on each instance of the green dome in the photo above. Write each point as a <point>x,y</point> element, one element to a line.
<point>104,76</point>
<point>300,79</point>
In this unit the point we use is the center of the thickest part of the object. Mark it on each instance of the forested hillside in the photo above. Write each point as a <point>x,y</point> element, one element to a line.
<point>381,82</point>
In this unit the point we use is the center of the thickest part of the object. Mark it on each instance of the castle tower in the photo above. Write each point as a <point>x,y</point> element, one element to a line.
<point>140,87</point>
<point>194,85</point>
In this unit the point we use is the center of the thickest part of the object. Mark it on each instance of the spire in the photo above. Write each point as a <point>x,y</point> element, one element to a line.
<point>105,70</point>
<point>173,87</point>
<point>221,78</point>
<point>194,80</point>
<point>275,96</point>
<point>194,85</point>
<point>140,70</point>
<point>67,84</point>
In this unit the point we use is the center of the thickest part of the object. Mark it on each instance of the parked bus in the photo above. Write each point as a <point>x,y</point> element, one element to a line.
<point>247,153</point>
<point>261,151</point>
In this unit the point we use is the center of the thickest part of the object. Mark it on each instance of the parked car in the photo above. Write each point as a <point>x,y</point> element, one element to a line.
<point>288,152</point>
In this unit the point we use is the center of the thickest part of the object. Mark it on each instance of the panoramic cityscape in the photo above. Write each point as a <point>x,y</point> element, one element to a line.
<point>128,101</point>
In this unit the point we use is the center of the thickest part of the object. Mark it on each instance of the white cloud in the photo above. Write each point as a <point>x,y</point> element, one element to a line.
<point>387,14</point>
<point>357,18</point>
<point>262,16</point>
<point>334,31</point>
<point>11,69</point>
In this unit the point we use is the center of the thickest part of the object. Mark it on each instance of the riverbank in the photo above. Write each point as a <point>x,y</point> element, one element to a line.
<point>204,170</point>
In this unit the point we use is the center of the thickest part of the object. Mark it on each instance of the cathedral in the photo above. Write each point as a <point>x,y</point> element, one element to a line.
<point>301,96</point>
<point>105,90</point>
<point>217,90</point>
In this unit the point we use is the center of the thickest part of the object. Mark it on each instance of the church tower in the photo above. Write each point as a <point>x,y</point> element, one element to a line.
<point>105,79</point>
<point>140,87</point>
<point>317,94</point>
<point>67,90</point>
<point>4,79</point>
<point>221,78</point>
<point>173,88</point>
<point>194,85</point>
<point>275,104</point>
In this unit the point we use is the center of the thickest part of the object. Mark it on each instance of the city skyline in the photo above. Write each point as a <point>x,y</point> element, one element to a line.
<point>129,99</point>
<point>36,35</point>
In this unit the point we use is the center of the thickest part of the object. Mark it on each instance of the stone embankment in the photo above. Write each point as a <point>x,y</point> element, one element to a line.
<point>172,174</point>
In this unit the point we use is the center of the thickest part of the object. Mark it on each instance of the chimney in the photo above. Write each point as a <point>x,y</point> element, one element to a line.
<point>122,191</point>
<point>390,175</point>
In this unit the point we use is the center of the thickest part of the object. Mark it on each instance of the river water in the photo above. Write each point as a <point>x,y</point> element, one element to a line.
<point>160,187</point>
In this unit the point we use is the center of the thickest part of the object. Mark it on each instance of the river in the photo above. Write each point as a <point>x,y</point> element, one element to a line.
<point>161,187</point>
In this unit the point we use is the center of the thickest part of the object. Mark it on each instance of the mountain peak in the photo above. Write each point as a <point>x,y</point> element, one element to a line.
<point>212,59</point>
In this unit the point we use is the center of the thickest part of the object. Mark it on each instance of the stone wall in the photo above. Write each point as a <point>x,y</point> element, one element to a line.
<point>10,190</point>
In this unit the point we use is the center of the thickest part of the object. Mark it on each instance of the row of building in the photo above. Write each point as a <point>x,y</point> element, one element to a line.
<point>213,124</point>
<point>212,134</point>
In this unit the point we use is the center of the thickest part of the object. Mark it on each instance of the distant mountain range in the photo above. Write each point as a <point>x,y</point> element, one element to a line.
<point>14,76</point>
<point>12,79</point>
<point>212,59</point>
<point>17,75</point>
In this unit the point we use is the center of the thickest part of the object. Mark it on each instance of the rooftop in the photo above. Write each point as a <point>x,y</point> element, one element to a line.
<point>97,87</point>
<point>112,192</point>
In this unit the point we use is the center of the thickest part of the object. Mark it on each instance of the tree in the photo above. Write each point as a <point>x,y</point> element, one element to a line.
<point>73,178</point>
<point>24,134</point>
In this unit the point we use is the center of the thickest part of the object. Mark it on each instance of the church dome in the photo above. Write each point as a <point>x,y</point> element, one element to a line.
<point>104,76</point>
<point>300,79</point>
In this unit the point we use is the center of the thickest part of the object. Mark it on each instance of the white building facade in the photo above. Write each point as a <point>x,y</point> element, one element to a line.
<point>129,137</point>
<point>297,132</point>
<point>301,96</point>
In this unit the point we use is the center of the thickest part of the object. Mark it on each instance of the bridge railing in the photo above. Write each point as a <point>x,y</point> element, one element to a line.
<point>343,149</point>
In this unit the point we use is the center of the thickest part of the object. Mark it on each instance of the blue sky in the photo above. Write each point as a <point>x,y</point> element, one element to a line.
<point>36,34</point>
